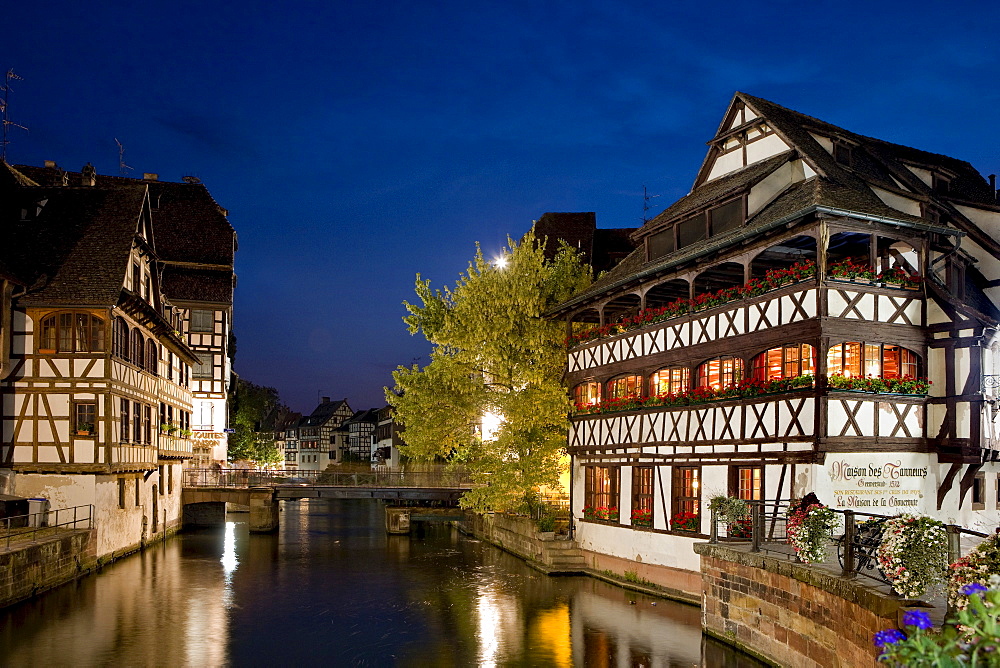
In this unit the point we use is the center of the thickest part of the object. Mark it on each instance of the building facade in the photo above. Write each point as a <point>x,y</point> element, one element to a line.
<point>819,315</point>
<point>97,403</point>
<point>319,435</point>
<point>196,248</point>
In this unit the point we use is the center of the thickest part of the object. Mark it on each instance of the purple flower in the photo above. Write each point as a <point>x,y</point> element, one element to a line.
<point>972,588</point>
<point>888,637</point>
<point>917,618</point>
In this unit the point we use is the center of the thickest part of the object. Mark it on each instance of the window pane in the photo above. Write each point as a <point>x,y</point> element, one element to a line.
<point>727,217</point>
<point>690,231</point>
<point>873,360</point>
<point>202,320</point>
<point>661,243</point>
<point>65,333</point>
<point>670,381</point>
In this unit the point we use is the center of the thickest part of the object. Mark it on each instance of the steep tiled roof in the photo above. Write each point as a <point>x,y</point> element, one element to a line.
<point>76,250</point>
<point>836,188</point>
<point>206,285</point>
<point>189,227</point>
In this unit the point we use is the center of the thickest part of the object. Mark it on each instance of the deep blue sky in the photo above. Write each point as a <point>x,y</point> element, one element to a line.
<point>358,143</point>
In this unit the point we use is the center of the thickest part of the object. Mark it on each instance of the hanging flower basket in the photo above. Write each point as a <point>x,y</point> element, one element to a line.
<point>913,554</point>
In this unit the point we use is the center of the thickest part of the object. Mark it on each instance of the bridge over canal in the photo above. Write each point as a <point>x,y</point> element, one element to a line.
<point>206,492</point>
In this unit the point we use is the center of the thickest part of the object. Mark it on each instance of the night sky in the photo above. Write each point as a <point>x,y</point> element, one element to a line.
<point>356,144</point>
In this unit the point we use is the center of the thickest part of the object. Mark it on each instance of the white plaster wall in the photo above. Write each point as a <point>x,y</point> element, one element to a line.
<point>645,546</point>
<point>922,174</point>
<point>825,142</point>
<point>774,183</point>
<point>904,204</point>
<point>726,164</point>
<point>765,148</point>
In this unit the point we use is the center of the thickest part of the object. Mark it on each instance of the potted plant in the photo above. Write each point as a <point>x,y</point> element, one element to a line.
<point>975,568</point>
<point>734,512</point>
<point>913,554</point>
<point>84,429</point>
<point>185,433</point>
<point>809,529</point>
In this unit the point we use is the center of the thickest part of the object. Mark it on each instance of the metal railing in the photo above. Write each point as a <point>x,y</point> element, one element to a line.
<point>273,478</point>
<point>20,526</point>
<point>856,547</point>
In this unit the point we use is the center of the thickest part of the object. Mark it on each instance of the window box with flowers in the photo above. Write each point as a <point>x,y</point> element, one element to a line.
<point>642,517</point>
<point>746,388</point>
<point>773,279</point>
<point>879,385</point>
<point>84,429</point>
<point>604,513</point>
<point>685,521</point>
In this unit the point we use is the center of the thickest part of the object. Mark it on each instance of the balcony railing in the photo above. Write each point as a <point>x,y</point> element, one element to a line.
<point>30,526</point>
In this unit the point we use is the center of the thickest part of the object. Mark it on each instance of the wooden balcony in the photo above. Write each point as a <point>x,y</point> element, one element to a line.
<point>798,302</point>
<point>174,446</point>
<point>789,422</point>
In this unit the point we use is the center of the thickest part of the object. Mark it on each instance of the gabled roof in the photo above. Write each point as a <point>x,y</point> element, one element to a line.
<point>827,186</point>
<point>369,416</point>
<point>73,247</point>
<point>323,413</point>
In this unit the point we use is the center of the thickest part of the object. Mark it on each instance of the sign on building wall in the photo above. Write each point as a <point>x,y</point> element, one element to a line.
<point>879,483</point>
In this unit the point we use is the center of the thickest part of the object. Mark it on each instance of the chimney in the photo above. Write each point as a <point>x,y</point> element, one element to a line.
<point>149,176</point>
<point>993,185</point>
<point>88,175</point>
<point>51,164</point>
<point>326,400</point>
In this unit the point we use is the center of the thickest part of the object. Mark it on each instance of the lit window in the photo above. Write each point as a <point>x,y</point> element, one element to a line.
<point>747,482</point>
<point>586,394</point>
<point>853,359</point>
<point>720,373</point>
<point>671,380</point>
<point>642,495</point>
<point>789,361</point>
<point>624,387</point>
<point>601,489</point>
<point>687,493</point>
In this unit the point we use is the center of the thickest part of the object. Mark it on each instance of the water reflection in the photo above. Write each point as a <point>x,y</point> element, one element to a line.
<point>330,588</point>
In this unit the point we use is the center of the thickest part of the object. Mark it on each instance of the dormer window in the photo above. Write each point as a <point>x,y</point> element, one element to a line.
<point>940,184</point>
<point>717,220</point>
<point>843,153</point>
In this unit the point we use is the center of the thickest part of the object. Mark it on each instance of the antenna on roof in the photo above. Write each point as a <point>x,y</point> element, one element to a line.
<point>646,206</point>
<point>6,122</point>
<point>122,167</point>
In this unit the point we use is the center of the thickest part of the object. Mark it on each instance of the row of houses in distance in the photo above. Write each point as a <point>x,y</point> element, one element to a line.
<point>333,434</point>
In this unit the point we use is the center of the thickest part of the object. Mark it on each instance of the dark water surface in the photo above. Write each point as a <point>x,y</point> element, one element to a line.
<point>331,588</point>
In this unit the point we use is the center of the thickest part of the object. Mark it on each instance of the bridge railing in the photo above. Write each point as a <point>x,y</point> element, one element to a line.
<point>273,478</point>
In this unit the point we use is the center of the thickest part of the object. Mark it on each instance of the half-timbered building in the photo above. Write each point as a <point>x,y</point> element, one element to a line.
<point>819,314</point>
<point>196,246</point>
<point>321,435</point>
<point>96,404</point>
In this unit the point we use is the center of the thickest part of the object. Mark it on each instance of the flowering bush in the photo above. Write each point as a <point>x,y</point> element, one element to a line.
<point>642,517</point>
<point>773,278</point>
<point>685,521</point>
<point>974,568</point>
<point>913,554</point>
<point>808,531</point>
<point>904,385</point>
<point>749,387</point>
<point>971,638</point>
<point>601,512</point>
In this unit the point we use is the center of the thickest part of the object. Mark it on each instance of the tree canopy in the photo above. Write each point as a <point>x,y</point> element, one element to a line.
<point>495,360</point>
<point>253,407</point>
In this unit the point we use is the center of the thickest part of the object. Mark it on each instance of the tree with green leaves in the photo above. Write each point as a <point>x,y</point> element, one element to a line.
<point>496,361</point>
<point>252,409</point>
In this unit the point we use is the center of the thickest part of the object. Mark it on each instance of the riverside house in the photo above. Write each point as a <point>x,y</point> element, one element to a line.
<point>819,314</point>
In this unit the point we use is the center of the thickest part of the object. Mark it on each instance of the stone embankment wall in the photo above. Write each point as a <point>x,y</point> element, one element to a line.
<point>515,534</point>
<point>44,564</point>
<point>791,614</point>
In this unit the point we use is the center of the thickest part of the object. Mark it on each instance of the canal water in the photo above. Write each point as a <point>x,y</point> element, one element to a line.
<point>331,588</point>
